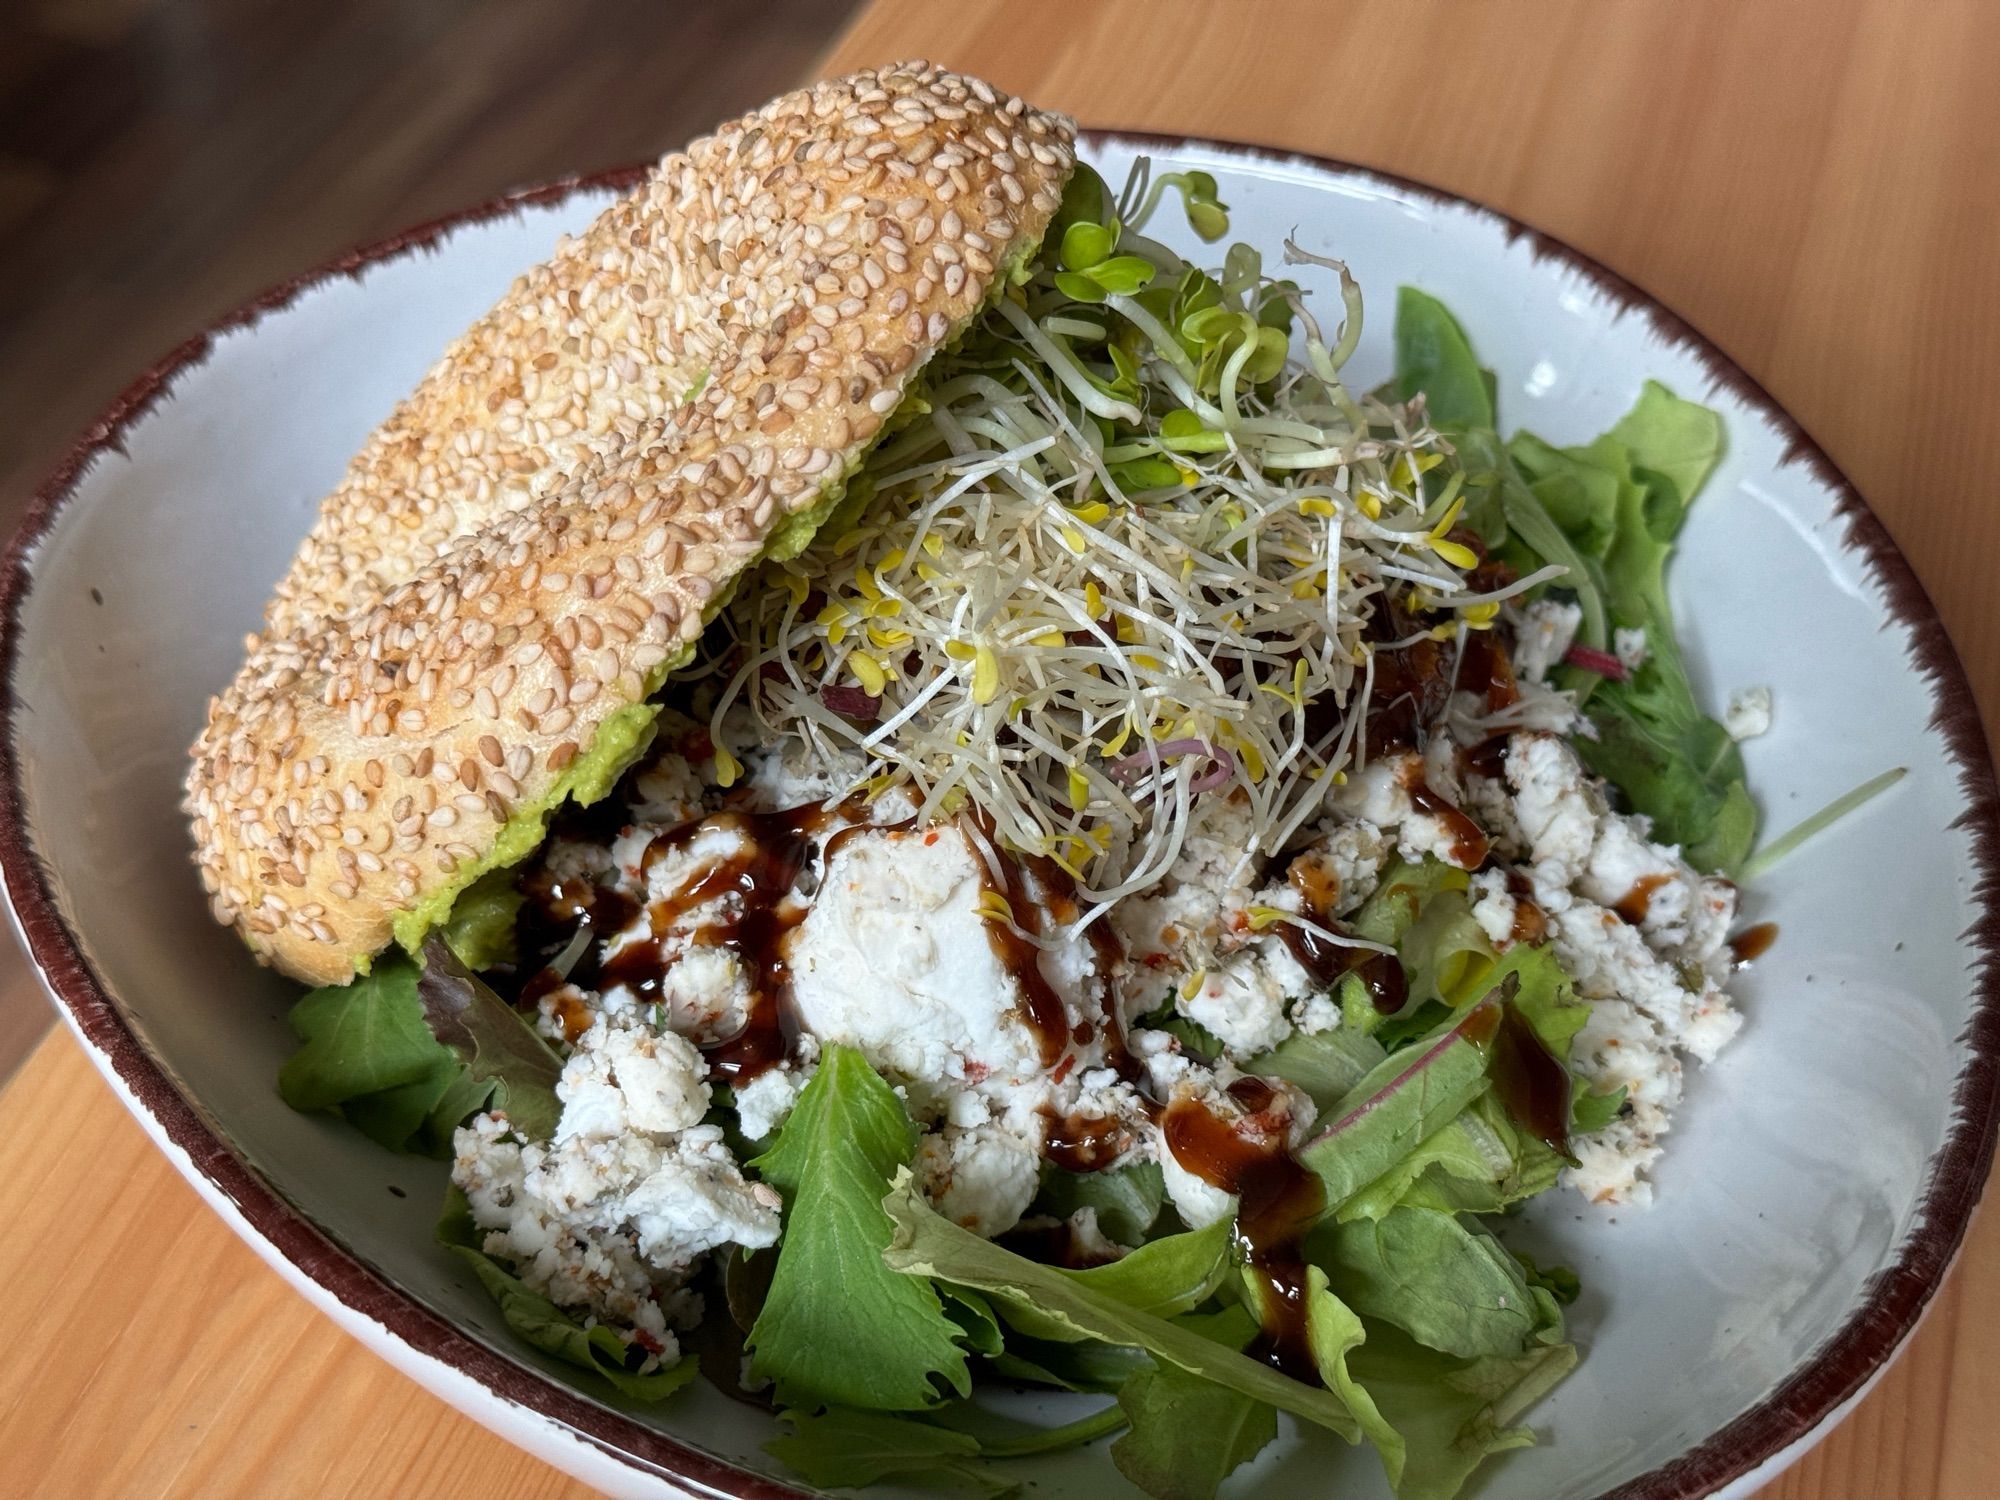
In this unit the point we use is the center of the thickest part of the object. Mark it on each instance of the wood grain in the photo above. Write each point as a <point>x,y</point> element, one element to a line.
<point>1812,184</point>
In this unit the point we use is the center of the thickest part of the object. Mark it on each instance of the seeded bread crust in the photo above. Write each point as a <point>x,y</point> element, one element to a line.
<point>449,641</point>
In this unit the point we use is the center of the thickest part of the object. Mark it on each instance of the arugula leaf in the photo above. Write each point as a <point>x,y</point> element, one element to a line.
<point>838,1326</point>
<point>927,1244</point>
<point>1673,763</point>
<point>1452,1414</point>
<point>1448,1285</point>
<point>1401,1101</point>
<point>849,1448</point>
<point>1170,1275</point>
<point>493,1041</point>
<point>1127,1200</point>
<point>541,1323</point>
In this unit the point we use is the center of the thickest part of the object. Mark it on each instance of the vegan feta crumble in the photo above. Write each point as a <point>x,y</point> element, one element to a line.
<point>890,954</point>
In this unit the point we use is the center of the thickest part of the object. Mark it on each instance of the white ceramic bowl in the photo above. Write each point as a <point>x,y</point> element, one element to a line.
<point>1823,1171</point>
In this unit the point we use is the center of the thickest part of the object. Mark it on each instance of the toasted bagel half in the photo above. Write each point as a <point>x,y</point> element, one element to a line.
<point>535,538</point>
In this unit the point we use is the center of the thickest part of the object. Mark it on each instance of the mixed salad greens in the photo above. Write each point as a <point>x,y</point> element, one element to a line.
<point>1155,448</point>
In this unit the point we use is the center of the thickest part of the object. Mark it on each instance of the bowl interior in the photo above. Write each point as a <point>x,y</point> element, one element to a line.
<point>1795,1173</point>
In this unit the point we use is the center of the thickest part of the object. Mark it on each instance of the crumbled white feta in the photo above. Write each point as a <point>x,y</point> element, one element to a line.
<point>1092,1246</point>
<point>614,1212</point>
<point>1628,644</point>
<point>1196,903</point>
<point>1543,633</point>
<point>1243,1001</point>
<point>983,1177</point>
<point>622,1078</point>
<point>1555,810</point>
<point>1380,793</point>
<point>1748,714</point>
<point>1643,936</point>
<point>1289,1115</point>
<point>894,959</point>
<point>765,1102</point>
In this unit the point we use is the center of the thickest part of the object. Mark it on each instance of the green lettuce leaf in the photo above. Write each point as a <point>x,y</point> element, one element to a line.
<point>850,1448</point>
<point>926,1244</point>
<point>1126,1200</point>
<point>1448,1284</point>
<point>1405,1098</point>
<point>1452,1414</point>
<point>1334,1332</point>
<point>1326,1064</point>
<point>1434,359</point>
<point>541,1323</point>
<point>978,1325</point>
<point>360,1038</point>
<point>1673,763</point>
<point>1480,1163</point>
<point>1560,1282</point>
<point>1170,1275</point>
<point>1083,1365</point>
<point>1402,896</point>
<point>1434,356</point>
<point>493,1042</point>
<point>1189,1434</point>
<point>480,928</point>
<point>1590,1111</point>
<point>420,1116</point>
<point>368,1055</point>
<point>1670,440</point>
<point>838,1326</point>
<point>1447,955</point>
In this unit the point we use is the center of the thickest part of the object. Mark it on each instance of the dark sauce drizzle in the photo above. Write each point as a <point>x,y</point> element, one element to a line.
<point>1531,923</point>
<point>1531,1082</point>
<point>1752,943</point>
<point>1380,974</point>
<point>1469,844</point>
<point>1040,892</point>
<point>776,851</point>
<point>1278,1201</point>
<point>1637,902</point>
<point>1085,1143</point>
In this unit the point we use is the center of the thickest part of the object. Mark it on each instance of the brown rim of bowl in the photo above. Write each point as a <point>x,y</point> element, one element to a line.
<point>1836,1372</point>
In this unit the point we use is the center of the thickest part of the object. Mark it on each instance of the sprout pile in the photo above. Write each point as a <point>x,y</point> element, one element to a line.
<point>1123,550</point>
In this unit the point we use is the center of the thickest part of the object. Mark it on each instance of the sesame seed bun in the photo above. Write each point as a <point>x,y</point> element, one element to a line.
<point>537,535</point>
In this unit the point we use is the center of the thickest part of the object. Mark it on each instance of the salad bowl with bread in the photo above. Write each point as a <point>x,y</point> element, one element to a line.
<point>957,806</point>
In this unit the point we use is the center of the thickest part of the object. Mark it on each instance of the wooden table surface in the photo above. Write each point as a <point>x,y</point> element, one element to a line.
<point>1815,185</point>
